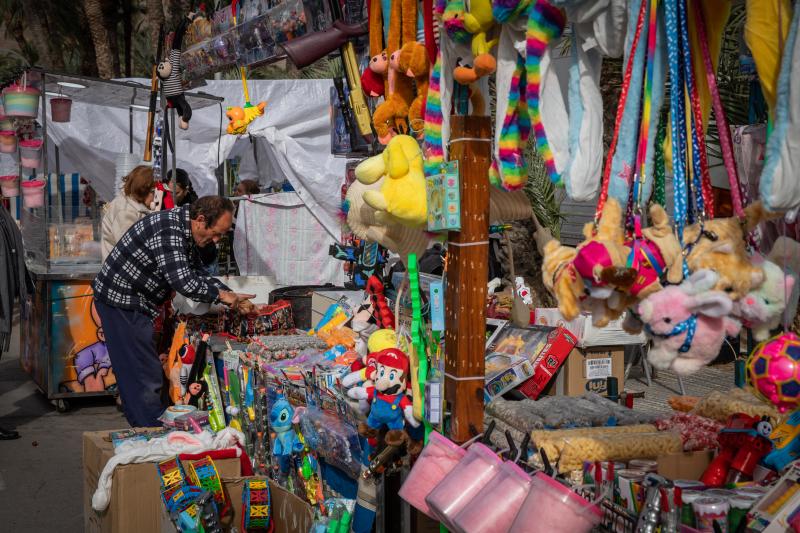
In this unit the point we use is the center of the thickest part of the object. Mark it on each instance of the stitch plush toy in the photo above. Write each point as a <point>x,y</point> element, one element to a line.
<point>285,441</point>
<point>762,310</point>
<point>390,407</point>
<point>688,323</point>
<point>402,197</point>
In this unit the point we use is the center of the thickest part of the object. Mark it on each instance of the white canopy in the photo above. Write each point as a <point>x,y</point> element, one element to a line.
<point>293,142</point>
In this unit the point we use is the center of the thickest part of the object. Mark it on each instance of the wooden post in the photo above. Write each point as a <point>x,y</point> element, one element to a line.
<point>467,273</point>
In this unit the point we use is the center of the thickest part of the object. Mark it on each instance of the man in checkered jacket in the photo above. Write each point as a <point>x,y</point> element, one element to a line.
<point>158,255</point>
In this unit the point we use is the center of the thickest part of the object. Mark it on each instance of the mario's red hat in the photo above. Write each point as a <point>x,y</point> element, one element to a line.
<point>393,358</point>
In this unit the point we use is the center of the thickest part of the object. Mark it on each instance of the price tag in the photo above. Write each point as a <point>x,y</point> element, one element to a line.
<point>599,368</point>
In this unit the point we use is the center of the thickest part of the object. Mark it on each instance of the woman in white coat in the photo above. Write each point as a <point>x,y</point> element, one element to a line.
<point>130,206</point>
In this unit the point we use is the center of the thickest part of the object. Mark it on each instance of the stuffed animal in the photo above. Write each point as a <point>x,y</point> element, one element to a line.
<point>373,78</point>
<point>390,407</point>
<point>285,441</point>
<point>688,323</point>
<point>241,117</point>
<point>402,196</point>
<point>479,22</point>
<point>661,254</point>
<point>415,63</point>
<point>169,71</point>
<point>362,371</point>
<point>763,309</point>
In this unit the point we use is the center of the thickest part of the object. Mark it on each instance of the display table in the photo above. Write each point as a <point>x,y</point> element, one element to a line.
<point>62,346</point>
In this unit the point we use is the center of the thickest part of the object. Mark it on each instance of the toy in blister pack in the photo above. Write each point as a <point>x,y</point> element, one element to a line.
<point>288,20</point>
<point>285,440</point>
<point>333,440</point>
<point>256,43</point>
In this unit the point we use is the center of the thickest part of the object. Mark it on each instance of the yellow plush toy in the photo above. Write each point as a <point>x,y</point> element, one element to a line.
<point>479,22</point>
<point>402,196</point>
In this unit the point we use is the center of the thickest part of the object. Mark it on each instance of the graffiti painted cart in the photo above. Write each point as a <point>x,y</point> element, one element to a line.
<point>62,346</point>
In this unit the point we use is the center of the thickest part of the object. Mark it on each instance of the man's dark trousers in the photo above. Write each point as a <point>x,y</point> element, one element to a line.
<point>140,376</point>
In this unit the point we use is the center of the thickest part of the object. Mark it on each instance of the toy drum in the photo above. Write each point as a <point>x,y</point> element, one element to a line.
<point>19,101</point>
<point>467,478</point>
<point>30,152</point>
<point>33,193</point>
<point>495,507</point>
<point>551,507</point>
<point>9,185</point>
<point>437,459</point>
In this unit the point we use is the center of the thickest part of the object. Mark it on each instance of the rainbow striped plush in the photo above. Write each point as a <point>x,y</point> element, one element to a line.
<point>453,20</point>
<point>508,10</point>
<point>432,148</point>
<point>509,170</point>
<point>545,23</point>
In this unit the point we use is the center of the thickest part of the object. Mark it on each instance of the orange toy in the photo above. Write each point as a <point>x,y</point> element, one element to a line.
<point>414,62</point>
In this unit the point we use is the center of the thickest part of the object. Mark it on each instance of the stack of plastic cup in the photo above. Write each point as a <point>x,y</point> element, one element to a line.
<point>437,459</point>
<point>457,489</point>
<point>9,185</point>
<point>494,508</point>
<point>30,152</point>
<point>33,193</point>
<point>551,507</point>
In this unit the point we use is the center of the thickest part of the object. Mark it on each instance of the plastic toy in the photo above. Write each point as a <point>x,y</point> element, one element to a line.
<point>402,198</point>
<point>773,371</point>
<point>285,441</point>
<point>240,117</point>
<point>479,22</point>
<point>743,442</point>
<point>688,323</point>
<point>786,439</point>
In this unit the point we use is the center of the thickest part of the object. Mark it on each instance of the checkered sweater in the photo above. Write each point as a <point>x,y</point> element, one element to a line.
<point>156,256</point>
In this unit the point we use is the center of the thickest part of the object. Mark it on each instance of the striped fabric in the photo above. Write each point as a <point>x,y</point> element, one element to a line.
<point>72,189</point>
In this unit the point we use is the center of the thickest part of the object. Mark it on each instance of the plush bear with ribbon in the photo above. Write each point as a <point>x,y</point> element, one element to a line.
<point>688,323</point>
<point>169,71</point>
<point>762,310</point>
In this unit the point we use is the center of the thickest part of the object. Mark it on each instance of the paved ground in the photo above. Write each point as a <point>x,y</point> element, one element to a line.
<point>41,481</point>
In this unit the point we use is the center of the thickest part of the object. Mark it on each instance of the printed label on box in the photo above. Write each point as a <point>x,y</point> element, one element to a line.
<point>599,368</point>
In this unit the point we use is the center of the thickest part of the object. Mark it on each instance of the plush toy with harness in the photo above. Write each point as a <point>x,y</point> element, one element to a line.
<point>688,323</point>
<point>762,310</point>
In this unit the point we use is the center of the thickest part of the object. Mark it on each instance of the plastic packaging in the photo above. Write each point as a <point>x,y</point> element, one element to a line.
<point>20,101</point>
<point>437,459</point>
<point>333,440</point>
<point>688,497</point>
<point>33,193</point>
<point>740,505</point>
<point>8,141</point>
<point>500,501</point>
<point>9,186</point>
<point>457,489</point>
<point>616,447</point>
<point>709,510</point>
<point>551,507</point>
<point>30,153</point>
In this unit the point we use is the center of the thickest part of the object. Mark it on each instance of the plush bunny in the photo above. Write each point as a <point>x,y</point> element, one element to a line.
<point>762,310</point>
<point>688,323</point>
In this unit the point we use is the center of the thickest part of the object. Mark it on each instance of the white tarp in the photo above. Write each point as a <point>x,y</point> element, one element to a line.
<point>293,142</point>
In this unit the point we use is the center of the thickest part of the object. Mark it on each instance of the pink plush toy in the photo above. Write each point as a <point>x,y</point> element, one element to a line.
<point>688,323</point>
<point>763,309</point>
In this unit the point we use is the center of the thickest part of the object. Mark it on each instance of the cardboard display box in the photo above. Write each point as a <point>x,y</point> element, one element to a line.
<point>135,490</point>
<point>586,370</point>
<point>290,513</point>
<point>588,335</point>
<point>686,465</point>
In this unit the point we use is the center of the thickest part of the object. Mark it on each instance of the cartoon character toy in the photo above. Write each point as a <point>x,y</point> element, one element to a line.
<point>285,441</point>
<point>390,407</point>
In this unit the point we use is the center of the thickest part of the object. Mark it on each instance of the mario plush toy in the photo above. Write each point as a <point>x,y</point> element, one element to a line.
<point>389,403</point>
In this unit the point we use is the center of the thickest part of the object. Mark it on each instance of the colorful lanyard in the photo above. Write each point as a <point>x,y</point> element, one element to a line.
<point>644,130</point>
<point>677,120</point>
<point>719,115</point>
<point>659,170</point>
<point>620,111</point>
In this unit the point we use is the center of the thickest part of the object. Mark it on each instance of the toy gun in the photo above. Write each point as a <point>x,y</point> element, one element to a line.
<point>786,438</point>
<point>366,259</point>
<point>378,465</point>
<point>151,112</point>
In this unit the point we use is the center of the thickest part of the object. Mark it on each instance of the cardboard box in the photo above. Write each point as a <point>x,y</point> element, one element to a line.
<point>686,465</point>
<point>588,335</point>
<point>586,370</point>
<point>135,490</point>
<point>528,357</point>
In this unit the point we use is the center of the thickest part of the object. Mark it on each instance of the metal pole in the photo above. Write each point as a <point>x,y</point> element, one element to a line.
<point>174,156</point>
<point>130,122</point>
<point>45,168</point>
<point>59,209</point>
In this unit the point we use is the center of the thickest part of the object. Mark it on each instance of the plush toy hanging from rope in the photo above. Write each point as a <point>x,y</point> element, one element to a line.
<point>240,117</point>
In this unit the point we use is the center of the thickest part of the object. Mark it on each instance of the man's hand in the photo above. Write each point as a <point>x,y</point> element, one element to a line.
<point>232,299</point>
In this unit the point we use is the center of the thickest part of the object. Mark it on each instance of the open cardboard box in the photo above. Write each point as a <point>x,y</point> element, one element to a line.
<point>136,495</point>
<point>686,465</point>
<point>586,370</point>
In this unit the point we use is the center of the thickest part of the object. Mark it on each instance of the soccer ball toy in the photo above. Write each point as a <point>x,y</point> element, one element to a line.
<point>773,371</point>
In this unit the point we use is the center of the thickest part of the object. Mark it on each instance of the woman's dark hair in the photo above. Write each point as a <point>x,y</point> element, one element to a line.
<point>181,178</point>
<point>139,183</point>
<point>210,207</point>
<point>250,186</point>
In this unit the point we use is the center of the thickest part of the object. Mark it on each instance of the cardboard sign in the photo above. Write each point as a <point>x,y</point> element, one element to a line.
<point>444,199</point>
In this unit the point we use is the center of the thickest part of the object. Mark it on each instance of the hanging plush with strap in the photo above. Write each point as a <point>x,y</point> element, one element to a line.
<point>240,117</point>
<point>478,21</point>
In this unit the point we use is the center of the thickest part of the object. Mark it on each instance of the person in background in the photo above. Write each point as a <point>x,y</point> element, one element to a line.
<point>247,188</point>
<point>184,193</point>
<point>158,255</point>
<point>130,206</point>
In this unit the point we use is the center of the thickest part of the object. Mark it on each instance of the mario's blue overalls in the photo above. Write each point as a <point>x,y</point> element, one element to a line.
<point>383,413</point>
